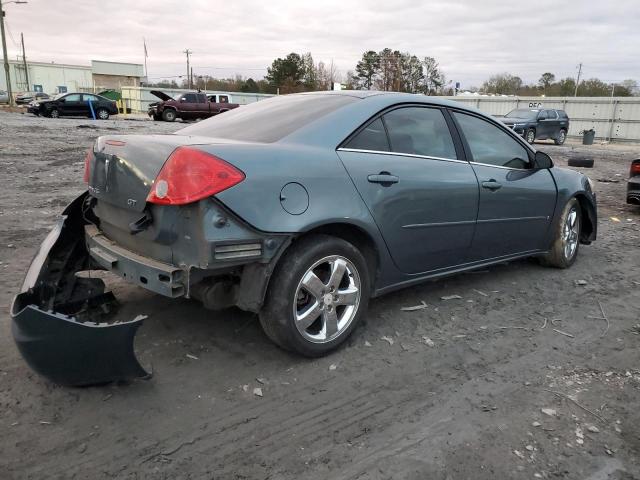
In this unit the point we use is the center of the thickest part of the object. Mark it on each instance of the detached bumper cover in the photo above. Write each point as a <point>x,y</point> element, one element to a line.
<point>60,322</point>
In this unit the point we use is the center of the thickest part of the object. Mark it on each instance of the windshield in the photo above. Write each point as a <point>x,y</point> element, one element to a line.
<point>60,95</point>
<point>269,120</point>
<point>523,113</point>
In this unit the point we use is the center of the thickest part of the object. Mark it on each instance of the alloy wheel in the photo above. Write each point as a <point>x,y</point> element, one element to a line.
<point>327,299</point>
<point>103,114</point>
<point>531,136</point>
<point>570,234</point>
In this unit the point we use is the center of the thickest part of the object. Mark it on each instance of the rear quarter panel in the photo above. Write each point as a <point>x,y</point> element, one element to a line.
<point>332,197</point>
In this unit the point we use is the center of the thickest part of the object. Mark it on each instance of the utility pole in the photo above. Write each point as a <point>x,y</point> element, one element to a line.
<point>5,56</point>
<point>4,49</point>
<point>188,52</point>
<point>24,62</point>
<point>575,94</point>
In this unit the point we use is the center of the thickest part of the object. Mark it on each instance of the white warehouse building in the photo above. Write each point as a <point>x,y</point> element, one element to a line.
<point>55,78</point>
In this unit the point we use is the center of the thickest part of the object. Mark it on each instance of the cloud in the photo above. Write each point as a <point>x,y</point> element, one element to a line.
<point>471,39</point>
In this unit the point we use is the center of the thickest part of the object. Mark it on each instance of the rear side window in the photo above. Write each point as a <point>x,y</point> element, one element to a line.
<point>223,99</point>
<point>420,131</point>
<point>372,137</point>
<point>562,114</point>
<point>551,114</point>
<point>202,98</point>
<point>74,97</point>
<point>269,120</point>
<point>490,145</point>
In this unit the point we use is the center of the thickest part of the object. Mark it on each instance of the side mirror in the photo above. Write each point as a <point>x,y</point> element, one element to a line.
<point>543,160</point>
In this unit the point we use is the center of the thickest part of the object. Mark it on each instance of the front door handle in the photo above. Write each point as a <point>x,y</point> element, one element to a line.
<point>492,185</point>
<point>383,178</point>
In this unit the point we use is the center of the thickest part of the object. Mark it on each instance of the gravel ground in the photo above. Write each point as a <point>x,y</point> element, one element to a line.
<point>480,387</point>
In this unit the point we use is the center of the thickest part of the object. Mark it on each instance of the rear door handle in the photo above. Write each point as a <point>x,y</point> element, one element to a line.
<point>383,178</point>
<point>492,185</point>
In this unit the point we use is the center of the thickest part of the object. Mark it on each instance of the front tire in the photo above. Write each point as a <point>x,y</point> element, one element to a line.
<point>169,115</point>
<point>317,295</point>
<point>566,241</point>
<point>530,136</point>
<point>54,113</point>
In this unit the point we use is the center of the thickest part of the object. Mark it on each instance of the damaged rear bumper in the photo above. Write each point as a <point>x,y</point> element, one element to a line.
<point>61,322</point>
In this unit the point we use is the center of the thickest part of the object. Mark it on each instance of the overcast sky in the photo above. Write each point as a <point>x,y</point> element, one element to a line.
<point>471,39</point>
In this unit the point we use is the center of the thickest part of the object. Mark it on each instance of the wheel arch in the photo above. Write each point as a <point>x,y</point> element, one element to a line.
<point>587,218</point>
<point>356,236</point>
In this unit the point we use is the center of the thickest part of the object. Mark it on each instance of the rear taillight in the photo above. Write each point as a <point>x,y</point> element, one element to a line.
<point>87,165</point>
<point>635,168</point>
<point>190,175</point>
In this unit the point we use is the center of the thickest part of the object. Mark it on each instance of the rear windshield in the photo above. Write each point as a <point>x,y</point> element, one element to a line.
<point>268,120</point>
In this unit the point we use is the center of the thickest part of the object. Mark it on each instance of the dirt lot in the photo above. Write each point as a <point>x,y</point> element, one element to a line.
<point>455,391</point>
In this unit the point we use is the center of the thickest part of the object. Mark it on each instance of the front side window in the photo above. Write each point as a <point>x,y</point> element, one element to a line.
<point>490,145</point>
<point>190,98</point>
<point>419,131</point>
<point>74,97</point>
<point>372,137</point>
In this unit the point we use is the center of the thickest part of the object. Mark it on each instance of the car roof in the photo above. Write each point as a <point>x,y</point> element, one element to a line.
<point>393,97</point>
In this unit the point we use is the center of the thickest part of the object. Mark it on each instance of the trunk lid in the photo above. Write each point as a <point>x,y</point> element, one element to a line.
<point>124,167</point>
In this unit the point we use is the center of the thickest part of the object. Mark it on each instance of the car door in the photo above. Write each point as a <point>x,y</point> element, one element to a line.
<point>189,106</point>
<point>72,104</point>
<point>517,200</point>
<point>542,125</point>
<point>553,123</point>
<point>95,103</point>
<point>420,191</point>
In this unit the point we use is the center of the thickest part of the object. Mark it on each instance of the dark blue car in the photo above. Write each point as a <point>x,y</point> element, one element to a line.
<point>300,208</point>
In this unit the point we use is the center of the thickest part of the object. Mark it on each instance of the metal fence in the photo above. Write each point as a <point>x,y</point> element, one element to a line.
<point>139,98</point>
<point>616,119</point>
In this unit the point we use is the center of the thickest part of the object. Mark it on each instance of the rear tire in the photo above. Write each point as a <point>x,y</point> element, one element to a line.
<point>317,296</point>
<point>530,136</point>
<point>562,136</point>
<point>566,239</point>
<point>102,114</point>
<point>169,115</point>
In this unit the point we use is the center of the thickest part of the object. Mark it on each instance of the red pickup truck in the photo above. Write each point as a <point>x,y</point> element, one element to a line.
<point>189,106</point>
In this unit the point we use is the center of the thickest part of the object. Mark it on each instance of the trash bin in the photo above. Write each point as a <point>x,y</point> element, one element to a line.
<point>588,136</point>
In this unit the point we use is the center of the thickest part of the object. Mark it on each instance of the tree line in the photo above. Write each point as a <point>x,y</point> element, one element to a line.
<point>393,70</point>
<point>508,84</point>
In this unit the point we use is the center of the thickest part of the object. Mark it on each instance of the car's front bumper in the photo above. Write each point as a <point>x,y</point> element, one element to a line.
<point>62,323</point>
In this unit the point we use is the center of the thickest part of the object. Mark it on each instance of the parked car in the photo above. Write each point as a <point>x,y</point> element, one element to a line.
<point>75,104</point>
<point>633,185</point>
<point>188,106</point>
<point>28,97</point>
<point>4,97</point>
<point>299,208</point>
<point>538,124</point>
